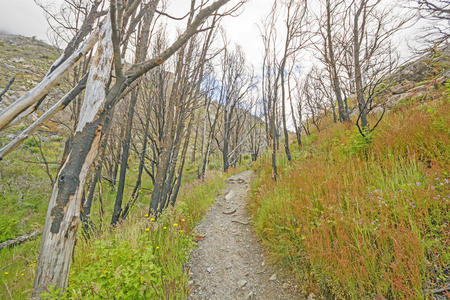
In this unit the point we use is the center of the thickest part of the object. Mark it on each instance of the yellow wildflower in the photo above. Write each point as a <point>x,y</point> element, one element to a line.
<point>6,273</point>
<point>22,274</point>
<point>164,227</point>
<point>142,278</point>
<point>175,225</point>
<point>183,220</point>
<point>147,229</point>
<point>146,215</point>
<point>152,219</point>
<point>181,231</point>
<point>297,229</point>
<point>157,247</point>
<point>104,271</point>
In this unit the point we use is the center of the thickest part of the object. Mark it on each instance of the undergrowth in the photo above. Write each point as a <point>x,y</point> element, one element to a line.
<point>359,218</point>
<point>140,259</point>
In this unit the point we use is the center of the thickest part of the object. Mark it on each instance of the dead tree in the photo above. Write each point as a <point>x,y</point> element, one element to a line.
<point>270,83</point>
<point>179,109</point>
<point>141,51</point>
<point>329,46</point>
<point>64,206</point>
<point>372,24</point>
<point>235,85</point>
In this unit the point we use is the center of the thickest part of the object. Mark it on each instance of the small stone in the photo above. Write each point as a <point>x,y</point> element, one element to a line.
<point>273,277</point>
<point>263,263</point>
<point>209,270</point>
<point>229,195</point>
<point>18,60</point>
<point>312,296</point>
<point>242,283</point>
<point>250,295</point>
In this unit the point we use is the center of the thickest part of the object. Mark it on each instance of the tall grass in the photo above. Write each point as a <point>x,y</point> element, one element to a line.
<point>357,220</point>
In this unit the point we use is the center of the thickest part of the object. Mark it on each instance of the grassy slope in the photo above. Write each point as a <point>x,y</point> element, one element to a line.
<point>356,219</point>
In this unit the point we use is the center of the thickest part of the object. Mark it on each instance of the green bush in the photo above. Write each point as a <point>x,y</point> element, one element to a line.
<point>117,270</point>
<point>359,144</point>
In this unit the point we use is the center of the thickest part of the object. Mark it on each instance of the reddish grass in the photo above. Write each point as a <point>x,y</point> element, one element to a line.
<point>359,225</point>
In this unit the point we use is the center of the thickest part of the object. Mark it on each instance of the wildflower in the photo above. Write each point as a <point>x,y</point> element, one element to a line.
<point>297,229</point>
<point>152,219</point>
<point>157,247</point>
<point>418,183</point>
<point>146,215</point>
<point>104,271</point>
<point>181,231</point>
<point>22,274</point>
<point>164,227</point>
<point>183,220</point>
<point>175,225</point>
<point>147,229</point>
<point>6,273</point>
<point>142,278</point>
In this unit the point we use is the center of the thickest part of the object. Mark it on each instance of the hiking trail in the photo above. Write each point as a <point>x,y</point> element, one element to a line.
<point>229,262</point>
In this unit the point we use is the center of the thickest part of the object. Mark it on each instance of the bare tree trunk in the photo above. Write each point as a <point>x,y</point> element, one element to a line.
<point>357,65</point>
<point>343,113</point>
<point>124,162</point>
<point>63,213</point>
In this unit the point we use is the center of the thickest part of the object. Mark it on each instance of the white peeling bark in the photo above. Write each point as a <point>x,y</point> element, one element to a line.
<point>98,77</point>
<point>63,214</point>
<point>21,107</point>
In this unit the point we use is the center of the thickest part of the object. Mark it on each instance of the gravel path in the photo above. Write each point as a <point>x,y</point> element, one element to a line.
<point>229,262</point>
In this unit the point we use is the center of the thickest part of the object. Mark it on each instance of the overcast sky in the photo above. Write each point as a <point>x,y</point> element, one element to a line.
<point>25,18</point>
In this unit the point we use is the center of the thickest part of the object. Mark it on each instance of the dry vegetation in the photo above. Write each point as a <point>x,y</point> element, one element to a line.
<point>357,218</point>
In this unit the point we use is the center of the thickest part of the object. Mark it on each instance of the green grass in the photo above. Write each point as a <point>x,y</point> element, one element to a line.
<point>141,258</point>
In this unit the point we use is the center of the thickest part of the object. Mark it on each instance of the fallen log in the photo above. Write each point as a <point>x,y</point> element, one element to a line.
<point>19,240</point>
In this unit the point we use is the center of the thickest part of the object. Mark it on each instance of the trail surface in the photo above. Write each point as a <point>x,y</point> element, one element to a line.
<point>229,262</point>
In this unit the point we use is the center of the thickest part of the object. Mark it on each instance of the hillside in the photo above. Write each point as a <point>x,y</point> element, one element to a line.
<point>368,218</point>
<point>225,149</point>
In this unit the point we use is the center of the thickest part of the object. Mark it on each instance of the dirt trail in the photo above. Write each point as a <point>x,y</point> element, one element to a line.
<point>229,262</point>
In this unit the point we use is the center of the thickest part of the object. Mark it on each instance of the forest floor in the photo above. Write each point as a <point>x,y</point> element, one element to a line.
<point>230,262</point>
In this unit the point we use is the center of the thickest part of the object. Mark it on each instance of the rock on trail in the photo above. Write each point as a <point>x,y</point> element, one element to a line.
<point>229,262</point>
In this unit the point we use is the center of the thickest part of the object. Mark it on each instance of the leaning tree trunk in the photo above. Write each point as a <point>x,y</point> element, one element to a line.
<point>63,214</point>
<point>24,105</point>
